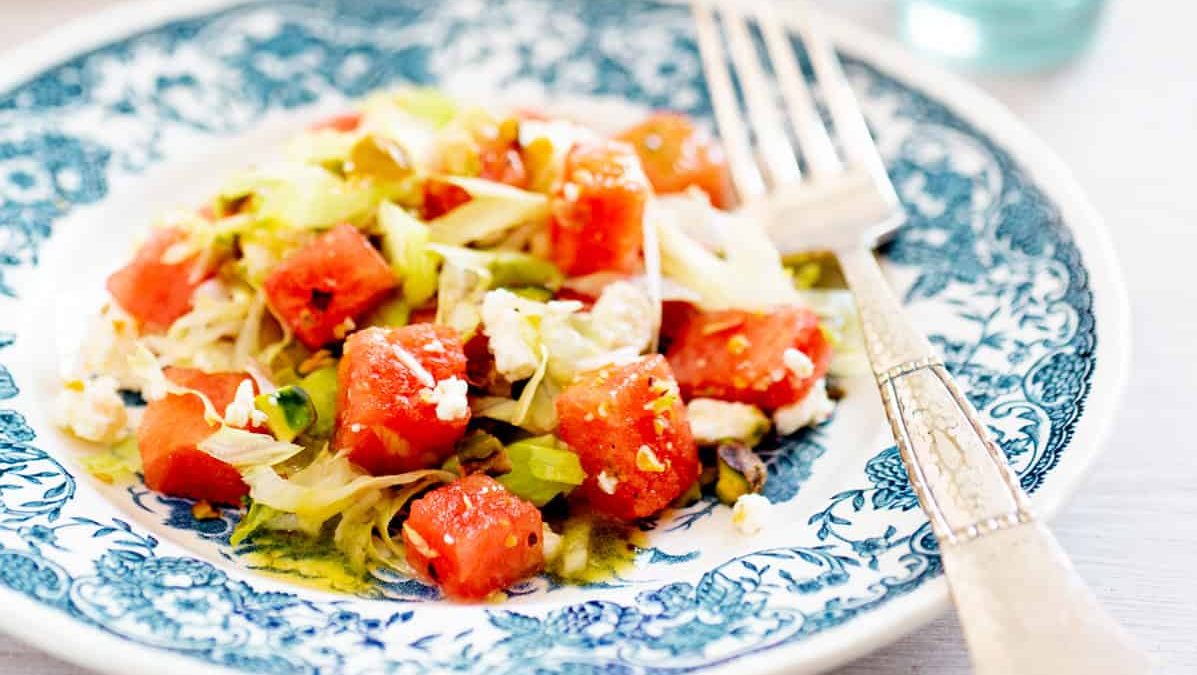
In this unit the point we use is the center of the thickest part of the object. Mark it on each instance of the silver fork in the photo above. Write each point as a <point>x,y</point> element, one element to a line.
<point>1024,609</point>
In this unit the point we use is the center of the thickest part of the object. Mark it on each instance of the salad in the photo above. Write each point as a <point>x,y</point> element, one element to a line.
<point>457,343</point>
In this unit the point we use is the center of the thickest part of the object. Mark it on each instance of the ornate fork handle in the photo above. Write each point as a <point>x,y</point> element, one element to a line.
<point>1023,607</point>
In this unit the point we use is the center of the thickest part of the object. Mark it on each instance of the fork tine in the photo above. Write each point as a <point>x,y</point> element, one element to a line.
<point>723,99</point>
<point>771,140</point>
<point>850,124</point>
<point>813,139</point>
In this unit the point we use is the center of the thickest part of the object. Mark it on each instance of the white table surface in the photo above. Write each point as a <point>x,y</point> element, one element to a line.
<point>1125,118</point>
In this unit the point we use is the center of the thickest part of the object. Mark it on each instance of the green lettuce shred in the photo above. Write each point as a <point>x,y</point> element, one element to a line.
<point>302,196</point>
<point>542,468</point>
<point>494,208</point>
<point>118,464</point>
<point>405,246</point>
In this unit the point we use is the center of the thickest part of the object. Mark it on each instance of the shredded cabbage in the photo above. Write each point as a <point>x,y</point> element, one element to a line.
<point>494,208</point>
<point>257,516</point>
<point>303,196</point>
<point>330,487</point>
<point>619,326</point>
<point>460,293</point>
<point>528,395</point>
<point>246,449</point>
<point>263,247</point>
<point>748,275</point>
<point>383,114</point>
<point>540,417</point>
<point>405,245</point>
<point>550,343</point>
<point>325,488</point>
<point>507,268</point>
<point>119,463</point>
<point>213,336</point>
<point>154,384</point>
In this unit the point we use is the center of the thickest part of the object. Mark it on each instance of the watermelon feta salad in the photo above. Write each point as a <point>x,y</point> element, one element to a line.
<point>448,340</point>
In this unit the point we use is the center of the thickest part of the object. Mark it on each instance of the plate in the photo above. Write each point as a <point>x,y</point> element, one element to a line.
<point>111,120</point>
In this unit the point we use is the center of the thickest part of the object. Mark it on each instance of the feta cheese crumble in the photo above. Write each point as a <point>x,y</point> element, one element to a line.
<point>815,408</point>
<point>713,421</point>
<point>798,363</point>
<point>505,326</point>
<point>241,411</point>
<point>607,483</point>
<point>111,339</point>
<point>749,513</point>
<point>450,399</point>
<point>622,318</point>
<point>552,544</point>
<point>93,410</point>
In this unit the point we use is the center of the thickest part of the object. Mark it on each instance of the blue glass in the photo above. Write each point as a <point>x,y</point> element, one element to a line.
<point>1000,34</point>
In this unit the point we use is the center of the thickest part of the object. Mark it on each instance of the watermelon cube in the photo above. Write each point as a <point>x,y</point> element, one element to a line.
<point>321,289</point>
<point>598,210</point>
<point>473,537</point>
<point>678,154</point>
<point>629,428</point>
<point>768,359</point>
<point>153,291</point>
<point>401,397</point>
<point>173,426</point>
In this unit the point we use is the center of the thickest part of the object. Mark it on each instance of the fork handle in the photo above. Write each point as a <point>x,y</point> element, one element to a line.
<point>1023,607</point>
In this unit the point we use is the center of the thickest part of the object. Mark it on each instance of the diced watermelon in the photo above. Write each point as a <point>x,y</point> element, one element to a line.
<point>172,427</point>
<point>740,356</point>
<point>473,537</point>
<point>598,210</point>
<point>387,417</point>
<point>629,427</point>
<point>677,154</point>
<point>156,292</point>
<point>321,288</point>
<point>344,123</point>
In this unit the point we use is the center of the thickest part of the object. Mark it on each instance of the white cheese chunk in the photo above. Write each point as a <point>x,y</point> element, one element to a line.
<point>750,512</point>
<point>240,410</point>
<point>813,409</point>
<point>450,399</point>
<point>713,421</point>
<point>622,318</point>
<point>798,363</point>
<point>505,327</point>
<point>607,483</point>
<point>93,410</point>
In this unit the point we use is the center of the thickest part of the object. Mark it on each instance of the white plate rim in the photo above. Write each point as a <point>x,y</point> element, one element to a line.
<point>98,650</point>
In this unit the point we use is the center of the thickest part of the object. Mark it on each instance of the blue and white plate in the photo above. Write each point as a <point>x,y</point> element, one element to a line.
<point>114,119</point>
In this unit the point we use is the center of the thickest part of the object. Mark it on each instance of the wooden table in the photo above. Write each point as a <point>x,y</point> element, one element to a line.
<point>1125,118</point>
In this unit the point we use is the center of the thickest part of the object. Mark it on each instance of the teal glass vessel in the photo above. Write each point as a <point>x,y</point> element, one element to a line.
<point>1000,34</point>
